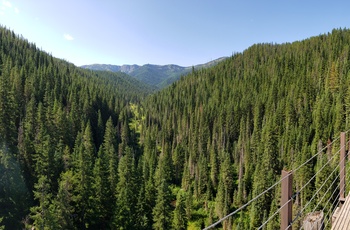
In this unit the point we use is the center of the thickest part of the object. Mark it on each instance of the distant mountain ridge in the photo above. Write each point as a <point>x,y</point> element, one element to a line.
<point>159,76</point>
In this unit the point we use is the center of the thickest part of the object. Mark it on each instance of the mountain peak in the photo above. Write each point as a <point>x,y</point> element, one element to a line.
<point>155,75</point>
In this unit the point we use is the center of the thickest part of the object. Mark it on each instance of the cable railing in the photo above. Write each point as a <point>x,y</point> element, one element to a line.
<point>337,199</point>
<point>324,195</point>
<point>319,189</point>
<point>330,206</point>
<point>326,192</point>
<point>246,204</point>
<point>329,199</point>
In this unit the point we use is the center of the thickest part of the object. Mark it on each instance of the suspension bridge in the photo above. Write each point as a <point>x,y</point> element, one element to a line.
<point>328,207</point>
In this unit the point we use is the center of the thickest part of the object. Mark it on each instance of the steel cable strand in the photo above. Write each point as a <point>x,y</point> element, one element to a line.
<point>290,225</point>
<point>333,208</point>
<point>317,204</point>
<point>295,219</point>
<point>335,179</point>
<point>322,200</point>
<point>272,186</point>
<point>275,213</point>
<point>335,190</point>
<point>246,204</point>
<point>313,177</point>
<point>299,192</point>
<point>334,205</point>
<point>299,213</point>
<point>307,183</point>
<point>268,189</point>
<point>320,151</point>
<point>337,198</point>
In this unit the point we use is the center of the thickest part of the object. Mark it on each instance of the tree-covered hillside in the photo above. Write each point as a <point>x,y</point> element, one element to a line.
<point>53,119</point>
<point>89,150</point>
<point>229,130</point>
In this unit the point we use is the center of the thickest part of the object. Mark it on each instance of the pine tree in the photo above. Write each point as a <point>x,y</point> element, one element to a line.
<point>85,151</point>
<point>109,147</point>
<point>101,200</point>
<point>189,203</point>
<point>7,108</point>
<point>164,168</point>
<point>275,222</point>
<point>333,79</point>
<point>100,129</point>
<point>141,207</point>
<point>26,135</point>
<point>65,201</point>
<point>323,183</point>
<point>146,197</point>
<point>42,215</point>
<point>125,193</point>
<point>214,167</point>
<point>162,209</point>
<point>14,196</point>
<point>262,205</point>
<point>180,217</point>
<point>2,227</point>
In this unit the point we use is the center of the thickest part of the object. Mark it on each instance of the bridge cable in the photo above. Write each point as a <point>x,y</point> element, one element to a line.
<point>275,213</point>
<point>331,196</point>
<point>272,186</point>
<point>307,183</point>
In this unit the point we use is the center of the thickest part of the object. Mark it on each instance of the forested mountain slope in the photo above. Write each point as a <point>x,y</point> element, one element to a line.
<point>86,150</point>
<point>53,120</point>
<point>229,130</point>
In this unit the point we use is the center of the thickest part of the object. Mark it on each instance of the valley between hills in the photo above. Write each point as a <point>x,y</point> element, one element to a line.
<point>158,76</point>
<point>167,147</point>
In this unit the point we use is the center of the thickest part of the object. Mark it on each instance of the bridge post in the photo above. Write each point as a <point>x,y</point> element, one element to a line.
<point>342,162</point>
<point>286,190</point>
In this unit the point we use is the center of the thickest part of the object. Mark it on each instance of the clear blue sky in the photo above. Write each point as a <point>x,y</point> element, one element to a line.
<point>163,31</point>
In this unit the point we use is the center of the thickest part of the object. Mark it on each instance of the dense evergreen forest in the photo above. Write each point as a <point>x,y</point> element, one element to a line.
<point>90,150</point>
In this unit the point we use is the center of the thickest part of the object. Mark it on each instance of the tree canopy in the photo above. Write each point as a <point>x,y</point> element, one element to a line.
<point>82,149</point>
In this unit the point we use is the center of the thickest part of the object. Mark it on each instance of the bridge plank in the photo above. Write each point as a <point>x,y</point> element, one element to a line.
<point>342,220</point>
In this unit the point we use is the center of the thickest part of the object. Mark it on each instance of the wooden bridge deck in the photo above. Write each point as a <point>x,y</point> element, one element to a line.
<point>341,217</point>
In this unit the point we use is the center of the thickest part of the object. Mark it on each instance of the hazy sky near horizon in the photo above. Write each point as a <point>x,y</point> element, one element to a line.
<point>165,32</point>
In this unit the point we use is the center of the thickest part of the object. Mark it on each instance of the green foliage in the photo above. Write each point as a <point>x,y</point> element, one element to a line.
<point>162,210</point>
<point>52,122</point>
<point>42,215</point>
<point>102,193</point>
<point>13,192</point>
<point>126,197</point>
<point>259,111</point>
<point>180,217</point>
<point>65,201</point>
<point>2,227</point>
<point>86,150</point>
